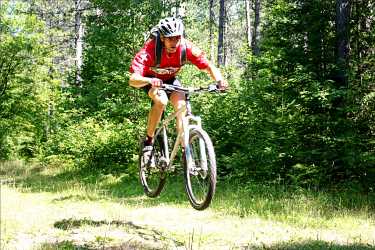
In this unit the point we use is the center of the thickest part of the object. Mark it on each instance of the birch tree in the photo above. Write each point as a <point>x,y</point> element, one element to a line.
<point>220,46</point>
<point>211,27</point>
<point>248,23</point>
<point>79,31</point>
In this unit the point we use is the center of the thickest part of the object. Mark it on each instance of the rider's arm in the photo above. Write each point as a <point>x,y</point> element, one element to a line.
<point>138,81</point>
<point>198,58</point>
<point>215,74</point>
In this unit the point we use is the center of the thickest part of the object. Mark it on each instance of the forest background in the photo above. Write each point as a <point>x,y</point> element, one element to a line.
<point>301,105</point>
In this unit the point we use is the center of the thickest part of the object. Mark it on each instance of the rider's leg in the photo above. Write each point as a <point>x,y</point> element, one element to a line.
<point>160,100</point>
<point>178,101</point>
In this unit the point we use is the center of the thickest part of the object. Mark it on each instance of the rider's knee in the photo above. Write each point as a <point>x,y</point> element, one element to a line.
<point>162,99</point>
<point>178,100</point>
<point>161,103</point>
<point>159,98</point>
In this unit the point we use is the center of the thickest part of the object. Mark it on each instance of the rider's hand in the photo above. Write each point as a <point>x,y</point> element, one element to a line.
<point>156,82</point>
<point>222,84</point>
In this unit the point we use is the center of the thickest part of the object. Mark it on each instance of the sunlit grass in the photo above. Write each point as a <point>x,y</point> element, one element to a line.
<point>61,207</point>
<point>303,207</point>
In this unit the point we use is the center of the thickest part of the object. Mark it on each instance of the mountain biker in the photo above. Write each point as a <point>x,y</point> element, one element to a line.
<point>150,69</point>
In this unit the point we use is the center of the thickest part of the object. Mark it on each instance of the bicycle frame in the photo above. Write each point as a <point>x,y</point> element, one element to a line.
<point>189,121</point>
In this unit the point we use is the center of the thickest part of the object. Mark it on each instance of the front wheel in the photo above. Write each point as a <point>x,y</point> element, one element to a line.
<point>200,169</point>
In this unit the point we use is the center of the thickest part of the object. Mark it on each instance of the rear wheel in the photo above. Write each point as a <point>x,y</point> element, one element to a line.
<point>152,175</point>
<point>200,169</point>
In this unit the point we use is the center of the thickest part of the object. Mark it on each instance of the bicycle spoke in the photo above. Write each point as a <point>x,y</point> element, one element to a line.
<point>200,174</point>
<point>151,174</point>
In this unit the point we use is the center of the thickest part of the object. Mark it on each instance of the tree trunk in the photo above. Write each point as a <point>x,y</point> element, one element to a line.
<point>342,36</point>
<point>366,23</point>
<point>220,46</point>
<point>226,41</point>
<point>212,30</point>
<point>248,23</point>
<point>177,6</point>
<point>256,32</point>
<point>79,31</point>
<point>180,9</point>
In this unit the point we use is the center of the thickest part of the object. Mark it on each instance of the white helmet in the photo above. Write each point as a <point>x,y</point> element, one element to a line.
<point>171,26</point>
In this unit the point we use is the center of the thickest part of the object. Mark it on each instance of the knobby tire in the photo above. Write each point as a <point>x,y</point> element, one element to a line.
<point>152,179</point>
<point>197,178</point>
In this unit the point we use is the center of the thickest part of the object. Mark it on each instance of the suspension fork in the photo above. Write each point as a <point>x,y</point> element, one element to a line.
<point>202,147</point>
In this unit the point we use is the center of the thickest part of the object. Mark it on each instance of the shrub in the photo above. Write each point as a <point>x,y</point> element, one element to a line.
<point>94,144</point>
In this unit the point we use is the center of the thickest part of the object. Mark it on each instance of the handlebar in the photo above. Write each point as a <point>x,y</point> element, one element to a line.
<point>210,88</point>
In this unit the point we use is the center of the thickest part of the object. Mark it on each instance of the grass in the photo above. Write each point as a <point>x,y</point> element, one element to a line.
<point>54,207</point>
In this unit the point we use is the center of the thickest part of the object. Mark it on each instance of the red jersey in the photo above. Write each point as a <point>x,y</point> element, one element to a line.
<point>170,64</point>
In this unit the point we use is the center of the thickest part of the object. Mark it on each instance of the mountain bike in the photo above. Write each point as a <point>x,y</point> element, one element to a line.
<point>198,156</point>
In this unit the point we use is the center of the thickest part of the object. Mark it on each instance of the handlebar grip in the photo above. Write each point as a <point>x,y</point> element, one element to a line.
<point>212,88</point>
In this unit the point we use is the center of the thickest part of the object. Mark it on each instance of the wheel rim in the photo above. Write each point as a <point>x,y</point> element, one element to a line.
<point>199,181</point>
<point>152,178</point>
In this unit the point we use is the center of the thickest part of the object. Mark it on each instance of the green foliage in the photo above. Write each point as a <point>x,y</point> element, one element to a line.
<point>25,81</point>
<point>287,129</point>
<point>112,39</point>
<point>108,115</point>
<point>92,144</point>
<point>290,120</point>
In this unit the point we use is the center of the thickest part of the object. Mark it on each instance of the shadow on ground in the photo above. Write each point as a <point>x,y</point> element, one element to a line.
<point>69,245</point>
<point>137,237</point>
<point>309,245</point>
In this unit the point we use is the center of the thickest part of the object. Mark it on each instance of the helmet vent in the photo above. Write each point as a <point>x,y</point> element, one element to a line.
<point>171,26</point>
